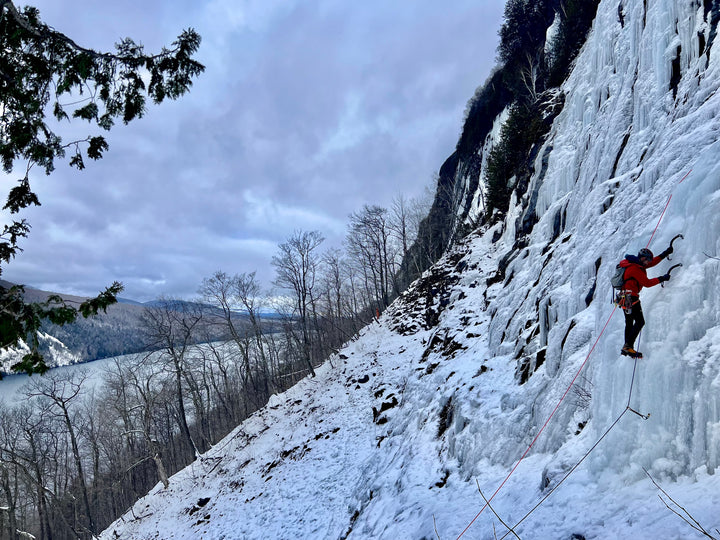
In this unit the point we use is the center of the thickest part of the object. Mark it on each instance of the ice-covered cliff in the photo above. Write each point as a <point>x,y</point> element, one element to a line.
<point>614,157</point>
<point>512,335</point>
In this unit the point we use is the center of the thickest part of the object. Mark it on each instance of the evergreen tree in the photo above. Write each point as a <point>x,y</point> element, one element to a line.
<point>40,66</point>
<point>576,18</point>
<point>510,155</point>
<point>522,45</point>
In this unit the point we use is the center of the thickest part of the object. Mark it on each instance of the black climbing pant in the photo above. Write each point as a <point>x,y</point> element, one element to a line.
<point>634,321</point>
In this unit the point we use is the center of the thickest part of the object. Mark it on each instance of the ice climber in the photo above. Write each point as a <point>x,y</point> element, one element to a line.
<point>634,279</point>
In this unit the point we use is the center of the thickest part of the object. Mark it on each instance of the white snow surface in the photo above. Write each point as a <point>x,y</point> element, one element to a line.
<point>318,463</point>
<point>60,354</point>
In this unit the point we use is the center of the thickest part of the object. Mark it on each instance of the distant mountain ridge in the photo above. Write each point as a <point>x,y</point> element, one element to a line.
<point>113,333</point>
<point>116,332</point>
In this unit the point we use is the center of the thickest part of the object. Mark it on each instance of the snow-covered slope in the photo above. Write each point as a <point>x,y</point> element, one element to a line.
<point>509,338</point>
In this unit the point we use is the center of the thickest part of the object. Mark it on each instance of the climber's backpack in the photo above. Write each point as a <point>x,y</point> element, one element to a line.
<point>618,278</point>
<point>621,296</point>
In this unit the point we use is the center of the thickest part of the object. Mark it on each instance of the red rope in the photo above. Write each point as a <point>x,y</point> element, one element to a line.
<point>666,207</point>
<point>543,427</point>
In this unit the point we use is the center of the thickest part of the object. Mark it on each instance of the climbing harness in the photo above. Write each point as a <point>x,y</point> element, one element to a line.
<point>624,300</point>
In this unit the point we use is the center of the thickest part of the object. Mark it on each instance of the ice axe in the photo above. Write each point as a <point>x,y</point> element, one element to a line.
<point>671,244</point>
<point>673,267</point>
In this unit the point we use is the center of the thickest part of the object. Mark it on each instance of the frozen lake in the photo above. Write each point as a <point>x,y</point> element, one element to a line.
<point>11,385</point>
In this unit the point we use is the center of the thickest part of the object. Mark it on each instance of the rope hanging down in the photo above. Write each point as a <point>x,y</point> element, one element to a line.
<point>628,408</point>
<point>584,457</point>
<point>541,429</point>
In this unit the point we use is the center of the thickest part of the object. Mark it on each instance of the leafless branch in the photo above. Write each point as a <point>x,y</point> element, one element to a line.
<point>583,393</point>
<point>496,514</point>
<point>435,526</point>
<point>690,520</point>
<point>46,31</point>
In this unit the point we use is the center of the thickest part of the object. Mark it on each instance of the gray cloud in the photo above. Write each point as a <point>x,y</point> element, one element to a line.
<point>307,111</point>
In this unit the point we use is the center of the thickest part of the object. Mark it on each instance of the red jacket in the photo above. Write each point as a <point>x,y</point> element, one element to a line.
<point>636,274</point>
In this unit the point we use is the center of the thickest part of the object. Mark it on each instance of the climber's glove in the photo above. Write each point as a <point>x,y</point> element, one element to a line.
<point>664,278</point>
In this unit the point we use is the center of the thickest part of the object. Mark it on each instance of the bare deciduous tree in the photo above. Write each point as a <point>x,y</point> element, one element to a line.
<point>369,242</point>
<point>136,384</point>
<point>170,327</point>
<point>296,267</point>
<point>62,391</point>
<point>238,298</point>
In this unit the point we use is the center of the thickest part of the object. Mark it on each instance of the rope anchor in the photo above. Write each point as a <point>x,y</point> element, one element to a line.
<point>643,416</point>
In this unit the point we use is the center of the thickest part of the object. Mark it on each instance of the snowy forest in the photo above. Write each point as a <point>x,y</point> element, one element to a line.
<point>208,364</point>
<point>458,378</point>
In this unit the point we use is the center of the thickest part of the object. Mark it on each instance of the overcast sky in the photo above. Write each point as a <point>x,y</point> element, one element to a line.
<point>307,110</point>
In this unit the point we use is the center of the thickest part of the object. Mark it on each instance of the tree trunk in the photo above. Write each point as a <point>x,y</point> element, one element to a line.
<point>184,428</point>
<point>79,466</point>
<point>12,526</point>
<point>162,473</point>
